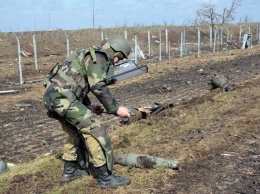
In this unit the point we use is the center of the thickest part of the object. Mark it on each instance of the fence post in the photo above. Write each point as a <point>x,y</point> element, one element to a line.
<point>181,44</point>
<point>227,38</point>
<point>215,39</point>
<point>149,43</point>
<point>184,42</point>
<point>19,59</point>
<point>160,47</point>
<point>6,39</point>
<point>210,37</point>
<point>251,39</point>
<point>68,46</point>
<point>198,41</point>
<point>256,34</point>
<point>102,36</point>
<point>259,36</point>
<point>240,33</point>
<point>166,39</point>
<point>35,52</point>
<point>135,49</point>
<point>221,35</point>
<point>169,51</point>
<point>125,34</point>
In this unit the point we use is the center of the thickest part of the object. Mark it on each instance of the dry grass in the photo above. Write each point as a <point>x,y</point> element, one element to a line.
<point>217,123</point>
<point>194,133</point>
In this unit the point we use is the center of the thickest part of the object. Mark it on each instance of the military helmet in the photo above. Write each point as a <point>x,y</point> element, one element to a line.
<point>3,167</point>
<point>120,44</point>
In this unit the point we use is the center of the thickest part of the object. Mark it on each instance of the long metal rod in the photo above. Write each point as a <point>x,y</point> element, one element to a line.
<point>181,44</point>
<point>149,43</point>
<point>19,59</point>
<point>35,53</point>
<point>135,49</point>
<point>215,40</point>
<point>210,37</point>
<point>166,40</point>
<point>160,46</point>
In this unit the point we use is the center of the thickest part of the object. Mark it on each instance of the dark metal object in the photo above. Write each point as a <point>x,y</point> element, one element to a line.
<point>220,82</point>
<point>125,70</point>
<point>144,161</point>
<point>143,113</point>
<point>3,167</point>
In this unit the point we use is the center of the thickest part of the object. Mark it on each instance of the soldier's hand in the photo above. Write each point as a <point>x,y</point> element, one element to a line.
<point>123,112</point>
<point>97,109</point>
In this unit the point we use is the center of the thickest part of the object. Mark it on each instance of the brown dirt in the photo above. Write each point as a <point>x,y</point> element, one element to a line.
<point>27,133</point>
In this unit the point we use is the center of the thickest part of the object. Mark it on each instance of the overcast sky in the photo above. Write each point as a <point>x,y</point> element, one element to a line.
<point>24,15</point>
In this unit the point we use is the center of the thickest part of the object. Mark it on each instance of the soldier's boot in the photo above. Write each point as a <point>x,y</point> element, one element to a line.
<point>71,172</point>
<point>107,180</point>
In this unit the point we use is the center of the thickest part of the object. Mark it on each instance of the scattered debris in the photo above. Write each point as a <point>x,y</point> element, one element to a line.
<point>156,39</point>
<point>47,140</point>
<point>229,154</point>
<point>17,107</point>
<point>25,53</point>
<point>140,53</point>
<point>22,105</point>
<point>188,82</point>
<point>47,154</point>
<point>10,165</point>
<point>219,81</point>
<point>200,70</point>
<point>9,91</point>
<point>166,88</point>
<point>246,41</point>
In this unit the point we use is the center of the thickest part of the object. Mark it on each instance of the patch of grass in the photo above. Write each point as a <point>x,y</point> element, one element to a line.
<point>221,122</point>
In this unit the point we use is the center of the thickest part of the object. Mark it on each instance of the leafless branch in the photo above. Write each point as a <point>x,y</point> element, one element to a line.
<point>208,13</point>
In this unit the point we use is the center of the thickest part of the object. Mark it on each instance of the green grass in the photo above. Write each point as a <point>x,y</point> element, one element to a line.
<point>221,116</point>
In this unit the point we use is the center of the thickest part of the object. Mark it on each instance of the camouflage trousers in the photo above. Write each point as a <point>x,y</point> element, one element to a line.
<point>70,150</point>
<point>72,115</point>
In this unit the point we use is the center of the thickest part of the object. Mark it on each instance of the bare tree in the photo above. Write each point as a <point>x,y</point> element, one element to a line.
<point>228,14</point>
<point>245,19</point>
<point>208,14</point>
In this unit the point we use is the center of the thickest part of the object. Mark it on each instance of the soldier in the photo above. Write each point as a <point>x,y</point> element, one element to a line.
<point>66,99</point>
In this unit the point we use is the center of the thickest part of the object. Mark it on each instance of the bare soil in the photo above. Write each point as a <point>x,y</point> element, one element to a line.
<point>27,132</point>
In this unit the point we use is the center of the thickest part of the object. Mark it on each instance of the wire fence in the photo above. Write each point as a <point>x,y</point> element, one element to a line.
<point>152,43</point>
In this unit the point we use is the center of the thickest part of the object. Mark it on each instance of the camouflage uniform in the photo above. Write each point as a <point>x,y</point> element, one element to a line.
<point>84,71</point>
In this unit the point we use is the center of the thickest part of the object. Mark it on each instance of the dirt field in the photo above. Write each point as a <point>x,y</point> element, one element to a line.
<point>27,133</point>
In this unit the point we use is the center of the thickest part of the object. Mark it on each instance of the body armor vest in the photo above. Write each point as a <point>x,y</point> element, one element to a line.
<point>72,73</point>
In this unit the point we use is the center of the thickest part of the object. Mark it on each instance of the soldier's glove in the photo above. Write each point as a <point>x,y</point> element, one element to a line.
<point>97,109</point>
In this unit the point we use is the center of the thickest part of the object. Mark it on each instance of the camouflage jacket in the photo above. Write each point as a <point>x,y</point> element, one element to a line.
<point>83,71</point>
